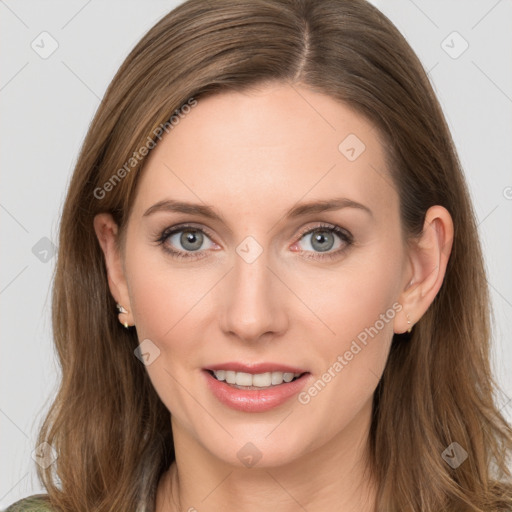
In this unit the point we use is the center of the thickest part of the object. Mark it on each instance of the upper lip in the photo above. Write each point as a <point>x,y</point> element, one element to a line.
<point>255,368</point>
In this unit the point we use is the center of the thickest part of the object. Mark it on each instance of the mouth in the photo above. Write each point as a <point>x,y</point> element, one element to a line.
<point>260,390</point>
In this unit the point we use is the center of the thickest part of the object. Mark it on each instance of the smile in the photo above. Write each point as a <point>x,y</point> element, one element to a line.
<point>258,392</point>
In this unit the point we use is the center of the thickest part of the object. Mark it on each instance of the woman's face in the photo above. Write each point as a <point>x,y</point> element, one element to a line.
<point>258,285</point>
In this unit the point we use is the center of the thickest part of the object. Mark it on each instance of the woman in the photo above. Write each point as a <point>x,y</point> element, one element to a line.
<point>248,367</point>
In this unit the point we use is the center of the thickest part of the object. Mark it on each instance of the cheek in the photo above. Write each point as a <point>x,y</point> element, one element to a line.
<point>359,305</point>
<point>162,292</point>
<point>351,296</point>
<point>166,311</point>
<point>171,306</point>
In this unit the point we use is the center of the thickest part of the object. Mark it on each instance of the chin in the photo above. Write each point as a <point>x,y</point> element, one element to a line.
<point>263,445</point>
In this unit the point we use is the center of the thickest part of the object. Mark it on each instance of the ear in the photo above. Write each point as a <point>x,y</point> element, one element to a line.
<point>428,259</point>
<point>107,232</point>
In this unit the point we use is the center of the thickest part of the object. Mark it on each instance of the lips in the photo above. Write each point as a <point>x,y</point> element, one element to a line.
<point>254,400</point>
<point>256,368</point>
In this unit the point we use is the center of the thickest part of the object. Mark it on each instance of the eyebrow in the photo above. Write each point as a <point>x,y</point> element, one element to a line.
<point>171,205</point>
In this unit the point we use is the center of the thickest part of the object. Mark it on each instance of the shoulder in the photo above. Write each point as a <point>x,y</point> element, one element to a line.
<point>34,503</point>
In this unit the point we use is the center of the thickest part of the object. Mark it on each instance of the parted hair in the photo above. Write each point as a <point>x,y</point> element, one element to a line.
<point>107,424</point>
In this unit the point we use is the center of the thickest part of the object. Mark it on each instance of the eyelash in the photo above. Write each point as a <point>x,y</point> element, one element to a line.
<point>345,236</point>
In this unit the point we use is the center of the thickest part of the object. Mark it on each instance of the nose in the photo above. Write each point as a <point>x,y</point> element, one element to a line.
<point>253,300</point>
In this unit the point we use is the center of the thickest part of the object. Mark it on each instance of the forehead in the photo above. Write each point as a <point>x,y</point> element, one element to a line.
<point>267,149</point>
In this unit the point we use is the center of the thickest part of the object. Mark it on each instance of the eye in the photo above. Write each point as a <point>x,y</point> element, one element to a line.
<point>323,239</point>
<point>188,239</point>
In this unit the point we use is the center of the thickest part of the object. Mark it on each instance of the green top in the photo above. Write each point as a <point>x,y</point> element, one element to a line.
<point>34,503</point>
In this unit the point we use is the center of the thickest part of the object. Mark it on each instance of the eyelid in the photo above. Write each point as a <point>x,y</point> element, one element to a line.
<point>187,225</point>
<point>336,229</point>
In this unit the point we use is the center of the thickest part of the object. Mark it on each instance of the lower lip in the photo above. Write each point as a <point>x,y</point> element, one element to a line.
<point>254,400</point>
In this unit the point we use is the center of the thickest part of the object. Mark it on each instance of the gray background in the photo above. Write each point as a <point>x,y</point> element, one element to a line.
<point>48,103</point>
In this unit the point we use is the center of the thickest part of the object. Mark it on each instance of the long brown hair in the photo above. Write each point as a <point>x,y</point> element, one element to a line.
<point>109,428</point>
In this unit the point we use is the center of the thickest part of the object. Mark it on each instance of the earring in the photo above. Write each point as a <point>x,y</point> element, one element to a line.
<point>408,321</point>
<point>122,310</point>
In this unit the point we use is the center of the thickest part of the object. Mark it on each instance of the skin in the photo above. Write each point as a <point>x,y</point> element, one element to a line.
<point>253,156</point>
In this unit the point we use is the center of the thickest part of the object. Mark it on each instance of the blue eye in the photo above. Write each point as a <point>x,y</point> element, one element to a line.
<point>323,240</point>
<point>191,239</point>
<point>194,238</point>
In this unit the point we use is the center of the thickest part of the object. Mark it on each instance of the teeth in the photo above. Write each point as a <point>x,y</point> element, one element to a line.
<point>243,379</point>
<point>260,380</point>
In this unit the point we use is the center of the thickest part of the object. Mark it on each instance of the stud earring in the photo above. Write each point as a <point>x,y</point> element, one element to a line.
<point>409,321</point>
<point>122,310</point>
